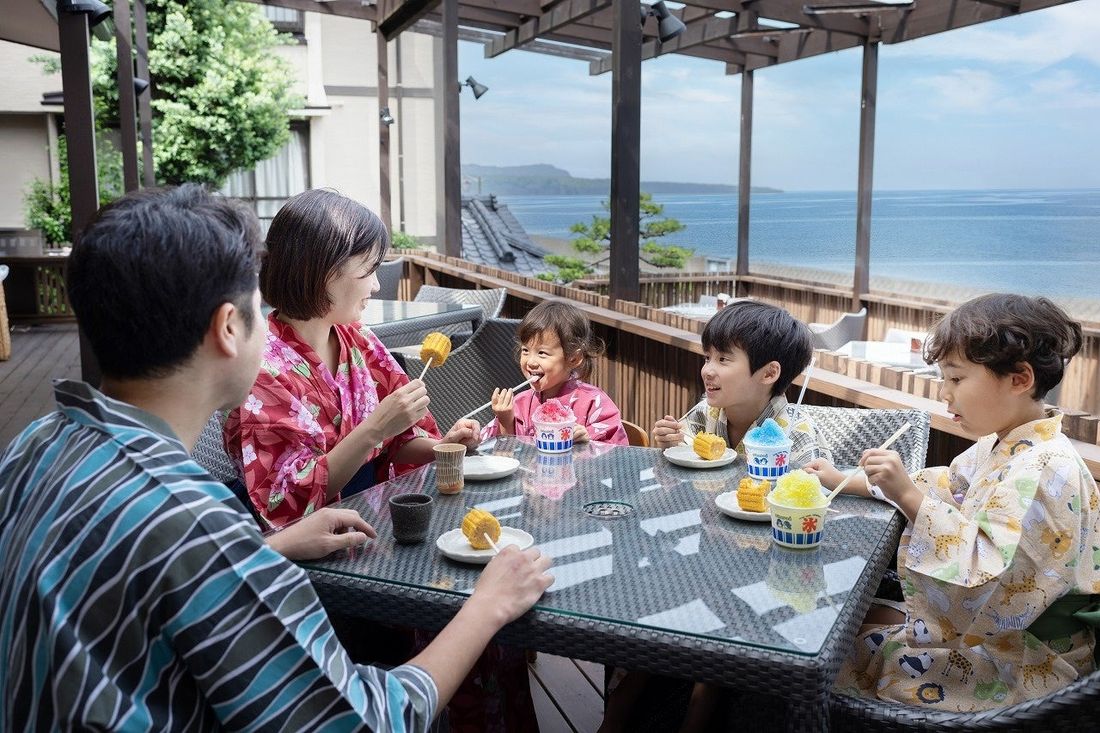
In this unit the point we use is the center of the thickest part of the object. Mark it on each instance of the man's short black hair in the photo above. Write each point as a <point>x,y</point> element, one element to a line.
<point>150,270</point>
<point>765,333</point>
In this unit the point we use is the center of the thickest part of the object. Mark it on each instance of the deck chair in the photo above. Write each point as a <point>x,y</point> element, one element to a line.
<point>490,300</point>
<point>849,431</point>
<point>849,327</point>
<point>487,360</point>
<point>635,434</point>
<point>389,279</point>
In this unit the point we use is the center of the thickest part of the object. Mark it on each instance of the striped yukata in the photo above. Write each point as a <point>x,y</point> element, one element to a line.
<point>806,442</point>
<point>136,594</point>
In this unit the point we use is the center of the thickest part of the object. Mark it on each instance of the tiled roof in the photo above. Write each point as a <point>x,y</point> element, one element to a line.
<point>491,235</point>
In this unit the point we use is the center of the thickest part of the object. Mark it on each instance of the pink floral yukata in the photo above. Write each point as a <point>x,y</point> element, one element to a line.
<point>591,405</point>
<point>297,411</point>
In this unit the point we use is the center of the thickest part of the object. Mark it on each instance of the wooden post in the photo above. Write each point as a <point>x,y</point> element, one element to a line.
<point>626,137</point>
<point>76,82</point>
<point>145,108</point>
<point>745,21</point>
<point>127,115</point>
<point>862,278</point>
<point>452,159</point>
<point>383,131</point>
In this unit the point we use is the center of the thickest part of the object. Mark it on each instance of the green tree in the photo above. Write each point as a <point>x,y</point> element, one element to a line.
<point>595,239</point>
<point>48,207</point>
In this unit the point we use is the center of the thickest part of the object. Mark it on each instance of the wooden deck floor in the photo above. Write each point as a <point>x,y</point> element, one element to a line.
<point>568,694</point>
<point>39,354</point>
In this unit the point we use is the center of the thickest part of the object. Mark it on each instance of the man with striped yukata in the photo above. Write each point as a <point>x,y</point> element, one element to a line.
<point>135,591</point>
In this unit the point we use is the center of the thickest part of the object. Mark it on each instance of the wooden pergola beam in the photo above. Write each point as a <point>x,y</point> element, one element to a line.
<point>342,8</point>
<point>791,11</point>
<point>793,47</point>
<point>936,16</point>
<point>560,16</point>
<point>394,16</point>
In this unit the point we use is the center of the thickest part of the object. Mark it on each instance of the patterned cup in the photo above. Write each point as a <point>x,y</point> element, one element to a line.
<point>767,461</point>
<point>554,437</point>
<point>797,527</point>
<point>448,467</point>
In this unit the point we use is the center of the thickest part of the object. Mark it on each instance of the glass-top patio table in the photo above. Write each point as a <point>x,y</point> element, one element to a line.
<point>392,317</point>
<point>674,587</point>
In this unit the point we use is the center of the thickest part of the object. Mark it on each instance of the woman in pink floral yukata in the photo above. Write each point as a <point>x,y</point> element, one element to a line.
<point>331,412</point>
<point>556,351</point>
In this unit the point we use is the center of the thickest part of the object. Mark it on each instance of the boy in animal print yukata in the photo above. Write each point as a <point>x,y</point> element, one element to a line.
<point>1003,546</point>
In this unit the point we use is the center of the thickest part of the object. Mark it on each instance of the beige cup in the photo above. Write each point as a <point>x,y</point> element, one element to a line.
<point>448,467</point>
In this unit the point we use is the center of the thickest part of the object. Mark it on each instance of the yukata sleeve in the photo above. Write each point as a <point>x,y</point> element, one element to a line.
<point>281,448</point>
<point>603,421</point>
<point>254,637</point>
<point>996,569</point>
<point>948,483</point>
<point>807,442</point>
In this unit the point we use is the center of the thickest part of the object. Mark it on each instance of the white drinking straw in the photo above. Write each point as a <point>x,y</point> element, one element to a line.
<point>884,446</point>
<point>805,382</point>
<point>527,383</point>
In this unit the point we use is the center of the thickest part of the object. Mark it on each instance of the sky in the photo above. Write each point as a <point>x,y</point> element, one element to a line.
<point>1012,103</point>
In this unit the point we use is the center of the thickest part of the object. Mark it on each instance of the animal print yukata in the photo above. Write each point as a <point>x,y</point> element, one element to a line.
<point>1002,533</point>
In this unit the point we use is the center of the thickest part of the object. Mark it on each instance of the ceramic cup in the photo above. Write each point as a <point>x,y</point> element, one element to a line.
<point>448,467</point>
<point>410,514</point>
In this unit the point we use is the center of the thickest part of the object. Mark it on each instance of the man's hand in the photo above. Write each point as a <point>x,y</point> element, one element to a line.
<point>465,432</point>
<point>667,433</point>
<point>511,583</point>
<point>503,404</point>
<point>323,532</point>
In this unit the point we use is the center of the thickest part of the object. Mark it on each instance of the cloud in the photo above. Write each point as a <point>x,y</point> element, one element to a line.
<point>964,89</point>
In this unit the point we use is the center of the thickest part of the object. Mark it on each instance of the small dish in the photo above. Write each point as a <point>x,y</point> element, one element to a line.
<point>454,545</point>
<point>727,504</point>
<point>488,468</point>
<point>684,455</point>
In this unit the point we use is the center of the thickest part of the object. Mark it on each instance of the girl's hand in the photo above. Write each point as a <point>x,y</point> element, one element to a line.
<point>885,470</point>
<point>825,471</point>
<point>503,404</point>
<point>580,434</point>
<point>465,432</point>
<point>667,432</point>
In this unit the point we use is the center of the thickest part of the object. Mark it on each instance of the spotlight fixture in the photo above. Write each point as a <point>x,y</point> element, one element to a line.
<point>385,117</point>
<point>140,86</point>
<point>668,25</point>
<point>99,16</point>
<point>477,88</point>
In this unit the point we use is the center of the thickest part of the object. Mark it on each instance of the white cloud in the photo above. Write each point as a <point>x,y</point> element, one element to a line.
<point>964,89</point>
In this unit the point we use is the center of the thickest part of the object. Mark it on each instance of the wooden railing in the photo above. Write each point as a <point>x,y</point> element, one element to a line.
<point>651,366</point>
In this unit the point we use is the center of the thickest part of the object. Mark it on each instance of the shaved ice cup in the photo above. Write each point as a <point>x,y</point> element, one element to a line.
<point>767,461</point>
<point>554,437</point>
<point>796,526</point>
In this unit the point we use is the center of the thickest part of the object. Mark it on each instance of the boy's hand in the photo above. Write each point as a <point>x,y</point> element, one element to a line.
<point>885,470</point>
<point>465,432</point>
<point>825,471</point>
<point>580,434</point>
<point>503,404</point>
<point>667,432</point>
<point>512,582</point>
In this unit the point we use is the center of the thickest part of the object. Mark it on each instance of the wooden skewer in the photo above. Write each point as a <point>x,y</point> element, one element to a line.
<point>518,387</point>
<point>496,550</point>
<point>884,446</point>
<point>426,365</point>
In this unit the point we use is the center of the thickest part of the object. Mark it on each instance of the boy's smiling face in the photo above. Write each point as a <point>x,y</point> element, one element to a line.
<point>729,381</point>
<point>979,400</point>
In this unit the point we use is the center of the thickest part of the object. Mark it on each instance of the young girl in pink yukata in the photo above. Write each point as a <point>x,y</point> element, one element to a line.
<point>556,353</point>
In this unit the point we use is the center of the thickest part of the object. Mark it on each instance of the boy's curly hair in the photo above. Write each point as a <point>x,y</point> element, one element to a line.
<point>1000,331</point>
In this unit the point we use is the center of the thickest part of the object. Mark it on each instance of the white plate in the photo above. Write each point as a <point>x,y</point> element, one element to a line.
<point>487,468</point>
<point>454,545</point>
<point>684,455</point>
<point>727,504</point>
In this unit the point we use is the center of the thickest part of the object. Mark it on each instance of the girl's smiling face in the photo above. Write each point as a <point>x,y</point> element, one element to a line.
<point>544,357</point>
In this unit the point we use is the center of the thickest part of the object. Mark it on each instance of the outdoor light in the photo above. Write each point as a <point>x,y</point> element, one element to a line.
<point>140,85</point>
<point>385,116</point>
<point>478,89</point>
<point>668,25</point>
<point>99,16</point>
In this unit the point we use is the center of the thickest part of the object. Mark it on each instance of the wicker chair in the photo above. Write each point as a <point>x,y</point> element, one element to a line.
<point>389,279</point>
<point>487,360</point>
<point>635,434</point>
<point>491,302</point>
<point>849,327</point>
<point>851,430</point>
<point>209,451</point>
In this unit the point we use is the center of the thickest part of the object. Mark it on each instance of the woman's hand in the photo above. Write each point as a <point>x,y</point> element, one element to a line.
<point>320,533</point>
<point>580,434</point>
<point>826,472</point>
<point>503,404</point>
<point>465,432</point>
<point>400,410</point>
<point>667,432</point>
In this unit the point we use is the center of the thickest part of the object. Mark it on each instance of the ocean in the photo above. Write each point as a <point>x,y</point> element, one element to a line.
<point>1035,242</point>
